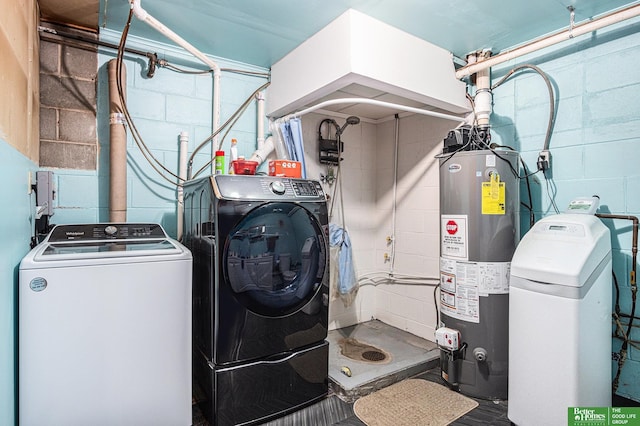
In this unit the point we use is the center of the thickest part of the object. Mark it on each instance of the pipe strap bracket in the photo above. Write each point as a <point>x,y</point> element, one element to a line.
<point>117,118</point>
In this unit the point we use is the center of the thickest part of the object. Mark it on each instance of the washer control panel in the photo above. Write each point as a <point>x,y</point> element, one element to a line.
<point>106,231</point>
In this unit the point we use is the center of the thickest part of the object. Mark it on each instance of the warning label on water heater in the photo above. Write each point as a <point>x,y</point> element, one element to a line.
<point>459,297</point>
<point>454,236</point>
<point>463,283</point>
<point>493,196</point>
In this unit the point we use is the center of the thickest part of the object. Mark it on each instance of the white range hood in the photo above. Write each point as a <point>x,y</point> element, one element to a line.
<point>356,56</point>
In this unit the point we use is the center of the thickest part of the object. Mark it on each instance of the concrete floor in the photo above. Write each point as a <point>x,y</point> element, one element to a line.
<point>406,356</point>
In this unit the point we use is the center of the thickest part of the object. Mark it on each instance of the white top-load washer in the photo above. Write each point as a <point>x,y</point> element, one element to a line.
<point>105,328</point>
<point>560,320</point>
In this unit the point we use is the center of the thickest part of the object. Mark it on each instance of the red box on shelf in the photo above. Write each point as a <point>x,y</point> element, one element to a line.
<point>285,168</point>
<point>244,167</point>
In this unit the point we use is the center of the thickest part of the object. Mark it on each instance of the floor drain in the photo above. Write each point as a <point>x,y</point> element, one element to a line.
<point>359,351</point>
<point>375,356</point>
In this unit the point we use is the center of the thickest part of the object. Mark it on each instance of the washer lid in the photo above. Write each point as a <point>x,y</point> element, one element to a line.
<point>105,240</point>
<point>117,248</point>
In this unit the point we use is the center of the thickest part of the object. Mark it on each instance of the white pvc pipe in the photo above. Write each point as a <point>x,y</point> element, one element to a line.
<point>483,98</point>
<point>182,174</point>
<point>370,102</point>
<point>260,124</point>
<point>144,16</point>
<point>575,31</point>
<point>394,206</point>
<point>263,152</point>
<point>215,119</point>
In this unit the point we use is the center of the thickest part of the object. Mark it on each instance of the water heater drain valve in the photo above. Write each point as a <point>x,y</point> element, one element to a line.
<point>480,354</point>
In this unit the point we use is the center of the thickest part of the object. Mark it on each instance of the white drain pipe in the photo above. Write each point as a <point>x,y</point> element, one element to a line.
<point>182,174</point>
<point>144,16</point>
<point>483,98</point>
<point>260,125</point>
<point>574,31</point>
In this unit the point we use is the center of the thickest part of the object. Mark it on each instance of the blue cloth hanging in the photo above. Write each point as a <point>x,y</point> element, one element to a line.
<point>292,135</point>
<point>347,281</point>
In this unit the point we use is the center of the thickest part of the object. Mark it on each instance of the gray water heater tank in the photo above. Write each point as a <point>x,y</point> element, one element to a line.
<point>479,232</point>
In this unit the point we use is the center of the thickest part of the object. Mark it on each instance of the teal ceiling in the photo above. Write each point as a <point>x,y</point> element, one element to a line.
<point>260,32</point>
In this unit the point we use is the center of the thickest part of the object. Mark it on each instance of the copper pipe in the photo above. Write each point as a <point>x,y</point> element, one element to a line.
<point>634,290</point>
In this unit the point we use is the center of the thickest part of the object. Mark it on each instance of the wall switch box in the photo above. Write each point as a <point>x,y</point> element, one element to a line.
<point>45,192</point>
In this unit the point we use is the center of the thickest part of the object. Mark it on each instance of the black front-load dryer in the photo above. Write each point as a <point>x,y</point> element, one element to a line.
<point>260,295</point>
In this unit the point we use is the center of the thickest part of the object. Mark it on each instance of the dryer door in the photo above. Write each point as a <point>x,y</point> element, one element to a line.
<point>274,259</point>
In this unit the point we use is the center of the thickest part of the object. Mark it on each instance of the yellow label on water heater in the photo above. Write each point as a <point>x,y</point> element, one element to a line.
<point>493,196</point>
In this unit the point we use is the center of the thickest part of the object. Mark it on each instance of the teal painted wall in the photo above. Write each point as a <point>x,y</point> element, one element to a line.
<point>595,150</point>
<point>17,227</point>
<point>595,146</point>
<point>161,107</point>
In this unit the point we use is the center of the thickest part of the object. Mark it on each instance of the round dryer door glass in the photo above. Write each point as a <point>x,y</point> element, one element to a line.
<point>275,258</point>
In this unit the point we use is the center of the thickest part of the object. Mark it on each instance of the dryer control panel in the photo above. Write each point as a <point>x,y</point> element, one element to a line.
<point>267,188</point>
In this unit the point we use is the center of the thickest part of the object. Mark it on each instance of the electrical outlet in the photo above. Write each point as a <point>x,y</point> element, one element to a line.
<point>544,160</point>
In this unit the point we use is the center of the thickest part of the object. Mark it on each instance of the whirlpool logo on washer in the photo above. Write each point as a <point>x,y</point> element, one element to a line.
<point>454,168</point>
<point>38,284</point>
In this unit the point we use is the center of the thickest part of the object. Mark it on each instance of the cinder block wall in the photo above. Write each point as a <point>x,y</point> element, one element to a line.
<point>68,102</point>
<point>161,107</point>
<point>595,147</point>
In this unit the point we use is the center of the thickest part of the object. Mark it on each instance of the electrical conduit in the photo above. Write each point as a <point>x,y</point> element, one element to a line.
<point>117,147</point>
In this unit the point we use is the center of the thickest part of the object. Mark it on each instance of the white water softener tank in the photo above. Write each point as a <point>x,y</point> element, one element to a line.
<point>560,320</point>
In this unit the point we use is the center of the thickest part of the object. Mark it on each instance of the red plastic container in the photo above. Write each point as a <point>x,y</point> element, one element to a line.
<point>244,167</point>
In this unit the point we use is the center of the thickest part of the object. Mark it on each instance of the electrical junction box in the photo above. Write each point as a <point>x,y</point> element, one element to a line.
<point>285,168</point>
<point>44,192</point>
<point>448,338</point>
